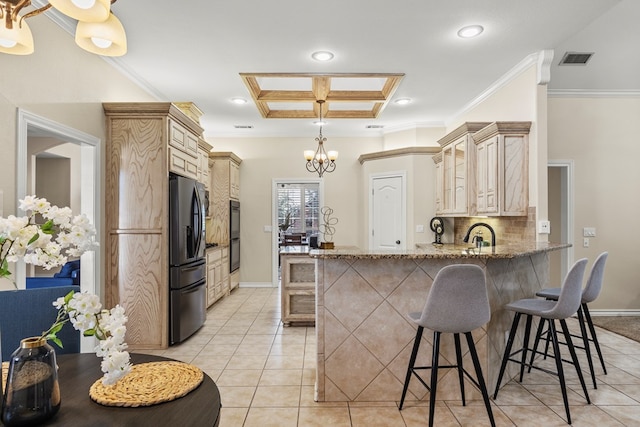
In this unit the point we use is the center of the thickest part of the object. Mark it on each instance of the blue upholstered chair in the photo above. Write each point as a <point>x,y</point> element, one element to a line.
<point>29,312</point>
<point>69,274</point>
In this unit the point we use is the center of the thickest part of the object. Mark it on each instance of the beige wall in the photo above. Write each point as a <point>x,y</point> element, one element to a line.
<point>60,82</point>
<point>597,134</point>
<point>266,159</point>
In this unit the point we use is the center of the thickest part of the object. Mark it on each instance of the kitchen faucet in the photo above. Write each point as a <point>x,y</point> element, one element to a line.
<point>481,224</point>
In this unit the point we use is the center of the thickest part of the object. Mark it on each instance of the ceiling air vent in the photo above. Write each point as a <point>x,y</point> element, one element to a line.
<point>576,58</point>
<point>243,126</point>
<point>374,126</point>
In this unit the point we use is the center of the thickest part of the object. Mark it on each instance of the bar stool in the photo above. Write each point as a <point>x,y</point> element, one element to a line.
<point>549,311</point>
<point>589,294</point>
<point>457,303</point>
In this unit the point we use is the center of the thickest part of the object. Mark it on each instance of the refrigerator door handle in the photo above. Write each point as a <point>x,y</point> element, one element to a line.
<point>199,219</point>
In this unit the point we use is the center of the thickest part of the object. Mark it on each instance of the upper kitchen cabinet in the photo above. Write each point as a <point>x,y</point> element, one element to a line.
<point>203,162</point>
<point>225,186</point>
<point>502,169</point>
<point>142,139</point>
<point>455,169</point>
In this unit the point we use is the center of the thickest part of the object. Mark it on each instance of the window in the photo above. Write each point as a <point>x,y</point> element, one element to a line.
<point>298,208</point>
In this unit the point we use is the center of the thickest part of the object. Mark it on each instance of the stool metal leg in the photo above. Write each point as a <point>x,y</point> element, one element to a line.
<point>479,376</point>
<point>587,347</point>
<point>558,358</point>
<point>456,339</point>
<point>434,377</point>
<point>574,358</point>
<point>594,337</point>
<point>507,351</point>
<point>525,347</point>
<point>412,362</point>
<point>536,342</point>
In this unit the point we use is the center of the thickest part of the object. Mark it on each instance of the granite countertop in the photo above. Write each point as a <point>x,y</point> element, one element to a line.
<point>294,250</point>
<point>447,251</point>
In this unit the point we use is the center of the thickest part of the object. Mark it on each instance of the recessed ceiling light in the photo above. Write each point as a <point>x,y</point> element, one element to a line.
<point>322,55</point>
<point>239,101</point>
<point>470,31</point>
<point>403,101</point>
<point>319,123</point>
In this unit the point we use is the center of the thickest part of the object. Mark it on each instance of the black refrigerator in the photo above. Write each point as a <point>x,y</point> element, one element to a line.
<point>187,264</point>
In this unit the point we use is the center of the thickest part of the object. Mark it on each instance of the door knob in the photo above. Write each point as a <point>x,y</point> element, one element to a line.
<point>397,242</point>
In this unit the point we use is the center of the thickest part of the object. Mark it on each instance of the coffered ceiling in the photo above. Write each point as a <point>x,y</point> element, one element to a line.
<point>343,96</point>
<point>209,52</point>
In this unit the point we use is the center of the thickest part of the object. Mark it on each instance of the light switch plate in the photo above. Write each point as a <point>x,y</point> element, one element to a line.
<point>419,228</point>
<point>267,229</point>
<point>544,227</point>
<point>589,232</point>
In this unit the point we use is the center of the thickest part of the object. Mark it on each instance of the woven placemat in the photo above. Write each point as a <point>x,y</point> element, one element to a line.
<point>148,384</point>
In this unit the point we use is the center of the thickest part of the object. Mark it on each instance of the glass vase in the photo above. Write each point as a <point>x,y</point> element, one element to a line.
<point>32,392</point>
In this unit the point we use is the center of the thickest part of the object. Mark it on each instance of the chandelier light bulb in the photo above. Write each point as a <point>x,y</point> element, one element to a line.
<point>84,4</point>
<point>101,43</point>
<point>8,43</point>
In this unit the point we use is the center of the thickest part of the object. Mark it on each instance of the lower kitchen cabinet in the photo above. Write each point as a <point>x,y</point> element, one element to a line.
<point>298,289</point>
<point>217,274</point>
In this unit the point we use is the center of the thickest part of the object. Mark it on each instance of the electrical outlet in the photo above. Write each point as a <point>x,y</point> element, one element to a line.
<point>544,227</point>
<point>419,228</point>
<point>585,242</point>
<point>589,232</point>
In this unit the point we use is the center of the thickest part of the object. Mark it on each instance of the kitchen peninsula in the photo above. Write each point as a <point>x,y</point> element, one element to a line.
<point>364,338</point>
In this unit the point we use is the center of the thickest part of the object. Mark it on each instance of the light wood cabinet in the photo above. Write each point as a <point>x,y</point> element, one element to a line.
<point>217,274</point>
<point>225,170</point>
<point>298,289</point>
<point>502,169</point>
<point>455,168</point>
<point>141,138</point>
<point>203,163</point>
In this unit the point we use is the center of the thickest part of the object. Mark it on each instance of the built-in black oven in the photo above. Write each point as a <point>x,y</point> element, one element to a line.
<point>234,235</point>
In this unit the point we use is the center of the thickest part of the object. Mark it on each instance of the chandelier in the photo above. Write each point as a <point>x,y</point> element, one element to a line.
<point>98,30</point>
<point>320,161</point>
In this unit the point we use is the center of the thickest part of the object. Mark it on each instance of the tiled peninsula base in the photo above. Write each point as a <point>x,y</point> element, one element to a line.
<point>364,338</point>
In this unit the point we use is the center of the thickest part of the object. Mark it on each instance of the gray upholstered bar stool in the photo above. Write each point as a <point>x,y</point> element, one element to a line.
<point>548,311</point>
<point>589,294</point>
<point>457,304</point>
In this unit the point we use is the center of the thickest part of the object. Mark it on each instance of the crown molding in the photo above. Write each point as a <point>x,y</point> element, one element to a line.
<point>583,93</point>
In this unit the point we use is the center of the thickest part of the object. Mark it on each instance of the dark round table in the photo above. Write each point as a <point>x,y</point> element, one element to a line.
<point>77,372</point>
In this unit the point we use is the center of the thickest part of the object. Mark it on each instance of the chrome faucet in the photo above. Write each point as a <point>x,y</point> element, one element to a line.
<point>481,224</point>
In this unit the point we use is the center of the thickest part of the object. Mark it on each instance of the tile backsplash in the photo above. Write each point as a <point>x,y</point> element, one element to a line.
<point>509,229</point>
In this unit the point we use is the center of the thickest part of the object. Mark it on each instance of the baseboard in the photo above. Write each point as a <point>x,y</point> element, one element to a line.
<point>630,312</point>
<point>256,285</point>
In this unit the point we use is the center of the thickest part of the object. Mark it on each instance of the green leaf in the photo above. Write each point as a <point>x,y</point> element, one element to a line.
<point>68,297</point>
<point>89,332</point>
<point>56,328</point>
<point>47,227</point>
<point>34,238</point>
<point>56,340</point>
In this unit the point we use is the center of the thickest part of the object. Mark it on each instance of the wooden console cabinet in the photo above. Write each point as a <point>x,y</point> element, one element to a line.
<point>298,286</point>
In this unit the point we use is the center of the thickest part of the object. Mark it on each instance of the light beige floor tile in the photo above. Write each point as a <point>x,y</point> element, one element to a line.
<point>247,378</point>
<point>324,417</point>
<point>266,377</point>
<point>376,417</point>
<point>236,397</point>
<point>241,361</point>
<point>284,362</point>
<point>271,417</point>
<point>281,377</point>
<point>233,417</point>
<point>277,396</point>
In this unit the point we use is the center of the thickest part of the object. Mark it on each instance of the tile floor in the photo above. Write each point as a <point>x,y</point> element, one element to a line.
<point>266,376</point>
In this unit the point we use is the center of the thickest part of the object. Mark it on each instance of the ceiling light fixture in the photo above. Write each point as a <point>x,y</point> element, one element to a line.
<point>470,31</point>
<point>320,161</point>
<point>322,55</point>
<point>98,30</point>
<point>239,101</point>
<point>403,101</point>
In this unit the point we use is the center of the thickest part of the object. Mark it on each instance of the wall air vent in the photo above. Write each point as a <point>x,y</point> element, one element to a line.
<point>576,58</point>
<point>243,126</point>
<point>374,126</point>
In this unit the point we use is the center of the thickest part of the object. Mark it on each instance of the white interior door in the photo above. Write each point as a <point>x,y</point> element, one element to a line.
<point>388,224</point>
